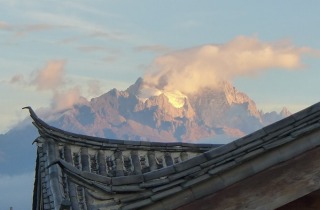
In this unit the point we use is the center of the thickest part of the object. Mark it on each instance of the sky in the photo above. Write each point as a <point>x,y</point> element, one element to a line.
<point>55,52</point>
<point>52,53</point>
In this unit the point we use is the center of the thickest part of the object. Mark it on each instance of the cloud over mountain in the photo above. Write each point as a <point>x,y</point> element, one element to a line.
<point>192,69</point>
<point>51,76</point>
<point>66,99</point>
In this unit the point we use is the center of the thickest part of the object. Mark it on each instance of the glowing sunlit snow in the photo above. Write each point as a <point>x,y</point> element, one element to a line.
<point>176,98</point>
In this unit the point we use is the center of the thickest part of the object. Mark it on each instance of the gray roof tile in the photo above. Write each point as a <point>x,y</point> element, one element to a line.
<point>166,193</point>
<point>138,204</point>
<point>159,173</point>
<point>280,124</point>
<point>154,183</point>
<point>221,167</point>
<point>196,180</point>
<point>220,150</point>
<point>250,138</point>
<point>122,180</point>
<point>210,169</point>
<point>184,173</point>
<point>190,163</point>
<point>167,186</point>
<point>126,188</point>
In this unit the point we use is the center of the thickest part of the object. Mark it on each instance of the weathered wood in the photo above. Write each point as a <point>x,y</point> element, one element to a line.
<point>168,159</point>
<point>85,167</point>
<point>269,189</point>
<point>84,159</point>
<point>73,195</point>
<point>71,186</point>
<point>184,156</point>
<point>152,160</point>
<point>119,163</point>
<point>136,162</point>
<point>307,202</point>
<point>102,163</point>
<point>55,186</point>
<point>67,153</point>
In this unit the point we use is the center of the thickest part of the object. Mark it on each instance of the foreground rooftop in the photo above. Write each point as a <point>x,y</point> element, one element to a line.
<point>82,172</point>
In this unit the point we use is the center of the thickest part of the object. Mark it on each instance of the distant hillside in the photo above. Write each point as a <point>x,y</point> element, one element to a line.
<point>17,155</point>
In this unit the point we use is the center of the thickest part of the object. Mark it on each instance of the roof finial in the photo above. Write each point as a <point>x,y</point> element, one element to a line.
<point>32,113</point>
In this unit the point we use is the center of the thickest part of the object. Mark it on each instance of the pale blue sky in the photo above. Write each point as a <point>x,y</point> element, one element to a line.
<point>109,44</point>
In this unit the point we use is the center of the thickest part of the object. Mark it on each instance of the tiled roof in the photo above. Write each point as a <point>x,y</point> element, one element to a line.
<point>93,173</point>
<point>108,165</point>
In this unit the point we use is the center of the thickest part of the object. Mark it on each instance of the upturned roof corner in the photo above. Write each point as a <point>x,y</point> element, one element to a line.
<point>83,172</point>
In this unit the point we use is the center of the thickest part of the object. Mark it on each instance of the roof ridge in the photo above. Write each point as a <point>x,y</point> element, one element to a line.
<point>220,166</point>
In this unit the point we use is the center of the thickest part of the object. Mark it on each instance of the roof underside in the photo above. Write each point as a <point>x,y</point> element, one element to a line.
<point>85,172</point>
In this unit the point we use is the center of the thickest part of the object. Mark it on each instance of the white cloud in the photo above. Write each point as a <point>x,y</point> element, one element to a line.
<point>204,66</point>
<point>66,98</point>
<point>50,77</point>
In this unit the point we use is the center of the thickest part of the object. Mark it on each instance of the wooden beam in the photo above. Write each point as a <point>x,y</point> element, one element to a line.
<point>269,189</point>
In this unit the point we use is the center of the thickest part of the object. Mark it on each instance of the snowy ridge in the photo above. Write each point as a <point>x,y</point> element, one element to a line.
<point>145,112</point>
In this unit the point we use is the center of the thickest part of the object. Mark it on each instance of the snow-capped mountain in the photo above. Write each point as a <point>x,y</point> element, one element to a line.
<point>144,112</point>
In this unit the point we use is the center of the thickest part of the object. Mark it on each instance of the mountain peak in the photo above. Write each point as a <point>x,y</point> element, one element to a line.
<point>135,88</point>
<point>144,91</point>
<point>285,112</point>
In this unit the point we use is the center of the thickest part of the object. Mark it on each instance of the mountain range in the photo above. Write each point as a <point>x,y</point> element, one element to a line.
<point>145,112</point>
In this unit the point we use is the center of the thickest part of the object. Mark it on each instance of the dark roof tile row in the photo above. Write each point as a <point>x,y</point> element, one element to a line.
<point>211,170</point>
